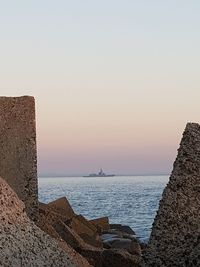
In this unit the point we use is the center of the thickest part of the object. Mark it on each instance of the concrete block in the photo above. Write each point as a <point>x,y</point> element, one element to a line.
<point>18,158</point>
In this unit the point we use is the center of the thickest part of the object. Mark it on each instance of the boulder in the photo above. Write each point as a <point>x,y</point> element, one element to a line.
<point>78,223</point>
<point>131,246</point>
<point>115,233</point>
<point>49,229</point>
<point>22,243</point>
<point>77,232</point>
<point>62,207</point>
<point>91,253</point>
<point>108,235</point>
<point>119,258</point>
<point>102,224</point>
<point>86,230</point>
<point>77,258</point>
<point>87,223</point>
<point>49,216</point>
<point>70,236</point>
<point>53,213</point>
<point>122,228</point>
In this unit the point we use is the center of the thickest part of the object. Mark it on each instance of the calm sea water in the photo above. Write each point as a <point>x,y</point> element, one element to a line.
<point>129,200</point>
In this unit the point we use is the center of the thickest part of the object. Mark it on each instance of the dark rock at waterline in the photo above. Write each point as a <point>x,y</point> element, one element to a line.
<point>122,228</point>
<point>116,233</point>
<point>120,240</point>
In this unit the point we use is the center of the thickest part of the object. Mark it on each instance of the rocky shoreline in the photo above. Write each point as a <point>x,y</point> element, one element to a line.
<point>59,231</point>
<point>38,234</point>
<point>96,240</point>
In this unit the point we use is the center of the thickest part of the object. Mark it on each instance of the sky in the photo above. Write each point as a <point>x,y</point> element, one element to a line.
<point>115,82</point>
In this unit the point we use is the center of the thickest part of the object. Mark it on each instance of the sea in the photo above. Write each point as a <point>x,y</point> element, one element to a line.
<point>127,200</point>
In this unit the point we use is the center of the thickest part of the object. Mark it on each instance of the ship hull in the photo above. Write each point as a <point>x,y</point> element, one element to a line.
<point>109,175</point>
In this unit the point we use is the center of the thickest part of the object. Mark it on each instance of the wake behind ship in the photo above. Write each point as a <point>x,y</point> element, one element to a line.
<point>99,174</point>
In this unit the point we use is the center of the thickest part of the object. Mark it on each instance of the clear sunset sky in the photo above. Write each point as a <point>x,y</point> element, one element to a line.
<point>115,82</point>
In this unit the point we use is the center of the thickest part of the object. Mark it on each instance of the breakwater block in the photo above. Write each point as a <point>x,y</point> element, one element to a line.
<point>18,158</point>
<point>175,237</point>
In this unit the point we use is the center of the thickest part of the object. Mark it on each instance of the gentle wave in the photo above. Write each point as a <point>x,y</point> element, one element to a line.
<point>129,200</point>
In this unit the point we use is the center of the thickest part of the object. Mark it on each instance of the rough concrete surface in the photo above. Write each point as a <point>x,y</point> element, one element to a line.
<point>18,160</point>
<point>175,237</point>
<point>22,243</point>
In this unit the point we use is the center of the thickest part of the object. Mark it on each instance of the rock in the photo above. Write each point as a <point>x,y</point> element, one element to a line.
<point>143,247</point>
<point>107,236</point>
<point>49,216</point>
<point>49,229</point>
<point>18,157</point>
<point>115,233</point>
<point>175,237</point>
<point>62,207</point>
<point>86,230</point>
<point>116,239</point>
<point>47,220</point>
<point>86,222</point>
<point>22,243</point>
<point>132,246</point>
<point>77,232</point>
<point>64,235</point>
<point>122,228</point>
<point>93,241</point>
<point>92,254</point>
<point>77,258</point>
<point>70,236</point>
<point>119,258</point>
<point>102,224</point>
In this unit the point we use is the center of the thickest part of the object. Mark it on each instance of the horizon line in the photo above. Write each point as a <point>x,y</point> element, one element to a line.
<point>81,175</point>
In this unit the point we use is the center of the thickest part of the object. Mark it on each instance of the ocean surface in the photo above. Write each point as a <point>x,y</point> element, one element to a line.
<point>128,200</point>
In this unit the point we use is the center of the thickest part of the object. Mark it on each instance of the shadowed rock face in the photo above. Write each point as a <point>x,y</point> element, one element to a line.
<point>175,237</point>
<point>18,161</point>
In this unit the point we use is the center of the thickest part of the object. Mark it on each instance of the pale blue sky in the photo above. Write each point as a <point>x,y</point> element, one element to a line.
<point>115,81</point>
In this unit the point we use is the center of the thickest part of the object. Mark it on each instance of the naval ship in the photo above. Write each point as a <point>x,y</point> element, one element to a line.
<point>99,174</point>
